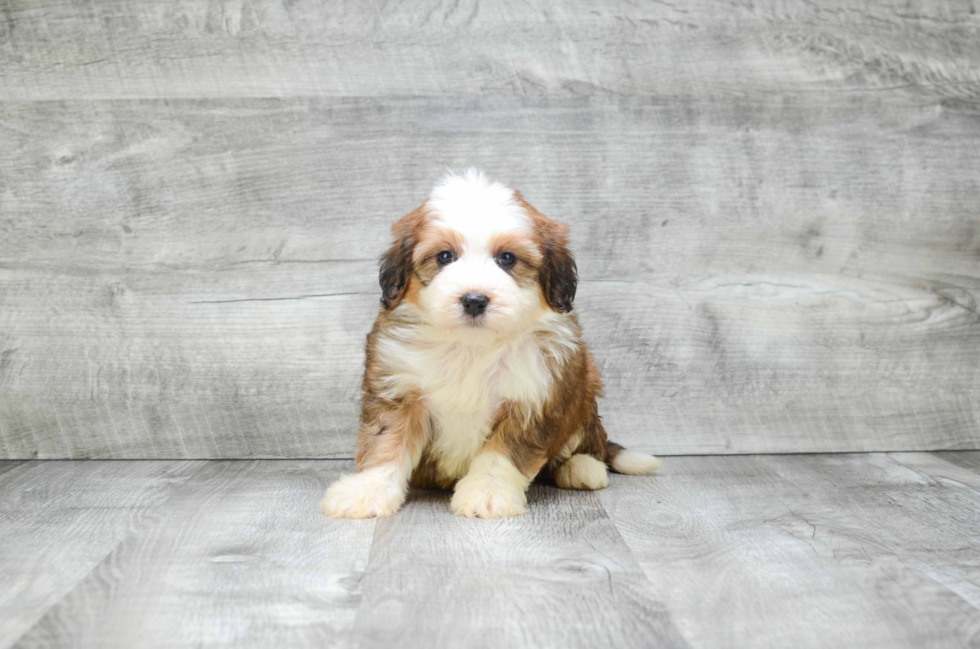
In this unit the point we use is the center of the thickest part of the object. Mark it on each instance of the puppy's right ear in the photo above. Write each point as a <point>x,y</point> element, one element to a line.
<point>396,264</point>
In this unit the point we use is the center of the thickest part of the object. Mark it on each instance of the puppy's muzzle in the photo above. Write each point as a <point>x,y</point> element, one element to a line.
<point>474,305</point>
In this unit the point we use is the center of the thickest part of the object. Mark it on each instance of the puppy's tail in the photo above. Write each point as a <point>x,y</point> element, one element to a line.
<point>621,460</point>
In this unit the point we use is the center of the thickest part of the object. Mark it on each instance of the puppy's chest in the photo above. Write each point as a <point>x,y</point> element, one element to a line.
<point>456,379</point>
<point>463,391</point>
<point>462,386</point>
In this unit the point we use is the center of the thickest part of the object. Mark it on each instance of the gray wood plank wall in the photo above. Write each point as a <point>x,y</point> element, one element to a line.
<point>774,206</point>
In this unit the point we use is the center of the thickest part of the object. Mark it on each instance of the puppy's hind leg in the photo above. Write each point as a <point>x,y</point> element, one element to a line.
<point>389,447</point>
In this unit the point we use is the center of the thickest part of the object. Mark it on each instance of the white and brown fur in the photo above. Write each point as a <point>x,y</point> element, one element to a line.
<point>482,403</point>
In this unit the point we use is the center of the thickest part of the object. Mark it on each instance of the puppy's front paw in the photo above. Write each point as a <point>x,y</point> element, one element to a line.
<point>477,496</point>
<point>371,493</point>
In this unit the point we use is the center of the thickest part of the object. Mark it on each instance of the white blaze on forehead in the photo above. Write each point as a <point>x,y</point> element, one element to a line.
<point>476,207</point>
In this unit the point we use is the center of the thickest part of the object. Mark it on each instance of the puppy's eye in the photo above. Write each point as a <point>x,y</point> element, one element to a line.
<point>445,257</point>
<point>506,259</point>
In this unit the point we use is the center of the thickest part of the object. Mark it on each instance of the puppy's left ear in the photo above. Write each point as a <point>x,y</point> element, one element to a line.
<point>396,264</point>
<point>558,274</point>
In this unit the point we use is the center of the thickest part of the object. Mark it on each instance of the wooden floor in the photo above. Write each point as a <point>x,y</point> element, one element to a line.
<point>869,550</point>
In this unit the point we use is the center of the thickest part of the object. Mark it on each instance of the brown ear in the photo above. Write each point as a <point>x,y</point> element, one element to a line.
<point>558,274</point>
<point>396,264</point>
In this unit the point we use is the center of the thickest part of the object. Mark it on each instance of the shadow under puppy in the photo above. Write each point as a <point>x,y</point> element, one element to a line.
<point>476,373</point>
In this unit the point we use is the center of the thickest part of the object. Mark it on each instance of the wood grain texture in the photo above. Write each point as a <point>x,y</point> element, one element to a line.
<point>559,576</point>
<point>868,550</point>
<point>126,49</point>
<point>58,520</point>
<point>240,556</point>
<point>774,208</point>
<point>186,279</point>
<point>811,551</point>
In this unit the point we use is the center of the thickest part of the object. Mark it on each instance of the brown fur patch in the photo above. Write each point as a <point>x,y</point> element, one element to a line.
<point>413,256</point>
<point>526,271</point>
<point>524,249</point>
<point>396,264</point>
<point>412,293</point>
<point>557,271</point>
<point>426,475</point>
<point>433,240</point>
<point>390,430</point>
<point>390,426</point>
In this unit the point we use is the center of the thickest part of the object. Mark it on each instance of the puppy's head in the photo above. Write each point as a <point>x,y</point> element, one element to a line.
<point>476,256</point>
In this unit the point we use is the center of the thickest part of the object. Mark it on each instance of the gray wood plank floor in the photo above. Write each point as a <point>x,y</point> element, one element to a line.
<point>868,550</point>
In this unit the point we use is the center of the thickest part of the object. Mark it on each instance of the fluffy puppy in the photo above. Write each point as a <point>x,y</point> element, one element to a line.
<point>476,375</point>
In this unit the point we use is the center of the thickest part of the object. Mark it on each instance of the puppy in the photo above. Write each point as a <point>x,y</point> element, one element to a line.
<point>476,374</point>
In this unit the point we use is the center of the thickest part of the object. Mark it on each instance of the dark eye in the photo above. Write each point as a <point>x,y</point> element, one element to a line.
<point>445,257</point>
<point>506,259</point>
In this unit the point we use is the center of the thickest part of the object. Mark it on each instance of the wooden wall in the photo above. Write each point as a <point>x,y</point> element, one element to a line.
<point>775,207</point>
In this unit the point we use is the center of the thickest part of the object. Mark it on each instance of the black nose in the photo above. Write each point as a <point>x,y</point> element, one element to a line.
<point>474,304</point>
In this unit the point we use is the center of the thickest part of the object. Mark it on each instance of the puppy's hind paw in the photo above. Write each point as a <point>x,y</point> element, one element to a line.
<point>582,472</point>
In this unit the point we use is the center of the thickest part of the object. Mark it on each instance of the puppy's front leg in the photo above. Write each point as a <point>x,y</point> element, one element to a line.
<point>495,486</point>
<point>390,442</point>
